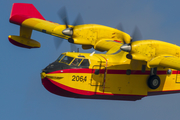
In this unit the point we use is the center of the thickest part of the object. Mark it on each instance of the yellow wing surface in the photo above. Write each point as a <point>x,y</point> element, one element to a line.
<point>155,53</point>
<point>87,35</point>
<point>165,61</point>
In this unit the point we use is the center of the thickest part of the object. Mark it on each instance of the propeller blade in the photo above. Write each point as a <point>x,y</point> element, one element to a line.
<point>73,47</point>
<point>79,20</point>
<point>136,34</point>
<point>120,27</point>
<point>63,16</point>
<point>57,42</point>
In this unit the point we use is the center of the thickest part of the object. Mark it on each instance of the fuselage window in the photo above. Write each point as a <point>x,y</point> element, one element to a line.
<point>85,62</point>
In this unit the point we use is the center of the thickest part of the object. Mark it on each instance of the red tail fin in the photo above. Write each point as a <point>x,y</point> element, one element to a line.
<point>23,11</point>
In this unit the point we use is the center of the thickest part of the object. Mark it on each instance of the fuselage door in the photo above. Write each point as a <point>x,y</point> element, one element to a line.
<point>97,77</point>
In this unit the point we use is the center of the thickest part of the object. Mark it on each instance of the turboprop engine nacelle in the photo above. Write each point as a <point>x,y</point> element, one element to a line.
<point>23,42</point>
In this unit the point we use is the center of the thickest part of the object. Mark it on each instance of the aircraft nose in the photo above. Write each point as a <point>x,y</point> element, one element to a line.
<point>43,75</point>
<point>55,66</point>
<point>51,76</point>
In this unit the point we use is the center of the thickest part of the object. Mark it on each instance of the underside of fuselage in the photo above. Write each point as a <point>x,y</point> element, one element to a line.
<point>62,90</point>
<point>59,89</point>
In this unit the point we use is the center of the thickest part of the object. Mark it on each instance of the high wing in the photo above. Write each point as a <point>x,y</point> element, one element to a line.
<point>100,37</point>
<point>155,53</point>
<point>165,61</point>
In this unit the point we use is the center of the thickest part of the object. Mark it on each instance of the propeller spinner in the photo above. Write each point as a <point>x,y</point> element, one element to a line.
<point>135,37</point>
<point>68,31</point>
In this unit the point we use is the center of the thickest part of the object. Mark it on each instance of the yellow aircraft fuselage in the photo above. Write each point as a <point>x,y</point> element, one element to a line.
<point>105,77</point>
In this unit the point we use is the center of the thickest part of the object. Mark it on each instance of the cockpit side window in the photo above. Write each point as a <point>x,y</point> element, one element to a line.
<point>60,57</point>
<point>85,62</point>
<point>67,59</point>
<point>76,62</point>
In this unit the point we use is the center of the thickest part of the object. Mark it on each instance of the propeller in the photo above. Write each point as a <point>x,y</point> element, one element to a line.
<point>73,47</point>
<point>62,13</point>
<point>136,34</point>
<point>69,30</point>
<point>135,37</point>
<point>63,16</point>
<point>120,27</point>
<point>58,41</point>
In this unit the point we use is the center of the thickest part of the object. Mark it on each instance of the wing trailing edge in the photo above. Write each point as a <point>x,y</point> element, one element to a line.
<point>165,61</point>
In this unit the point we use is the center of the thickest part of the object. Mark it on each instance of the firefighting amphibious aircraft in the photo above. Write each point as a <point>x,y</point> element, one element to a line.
<point>130,70</point>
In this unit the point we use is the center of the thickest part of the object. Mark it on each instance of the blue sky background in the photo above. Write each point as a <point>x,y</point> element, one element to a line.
<point>23,97</point>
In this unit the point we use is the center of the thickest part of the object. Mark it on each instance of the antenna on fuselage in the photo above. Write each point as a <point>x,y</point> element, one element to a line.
<point>92,53</point>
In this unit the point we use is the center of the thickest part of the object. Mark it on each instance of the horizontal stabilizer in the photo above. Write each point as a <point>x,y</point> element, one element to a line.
<point>23,42</point>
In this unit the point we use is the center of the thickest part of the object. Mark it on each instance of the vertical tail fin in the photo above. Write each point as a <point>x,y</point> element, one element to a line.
<point>23,11</point>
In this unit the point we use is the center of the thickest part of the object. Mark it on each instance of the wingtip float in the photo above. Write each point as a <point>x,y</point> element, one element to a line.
<point>130,70</point>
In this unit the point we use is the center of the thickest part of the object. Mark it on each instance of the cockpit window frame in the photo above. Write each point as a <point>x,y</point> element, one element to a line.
<point>66,62</point>
<point>73,59</point>
<point>83,60</point>
<point>61,58</point>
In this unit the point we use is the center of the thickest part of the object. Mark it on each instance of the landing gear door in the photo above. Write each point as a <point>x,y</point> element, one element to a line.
<point>97,77</point>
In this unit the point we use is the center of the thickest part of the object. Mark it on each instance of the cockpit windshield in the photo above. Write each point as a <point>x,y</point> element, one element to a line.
<point>76,62</point>
<point>84,63</point>
<point>81,62</point>
<point>67,59</point>
<point>59,58</point>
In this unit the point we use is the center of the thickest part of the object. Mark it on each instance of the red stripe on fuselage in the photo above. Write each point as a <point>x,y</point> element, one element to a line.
<point>78,70</point>
<point>110,71</point>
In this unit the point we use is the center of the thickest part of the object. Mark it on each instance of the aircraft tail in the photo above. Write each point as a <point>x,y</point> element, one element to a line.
<point>23,11</point>
<point>19,13</point>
